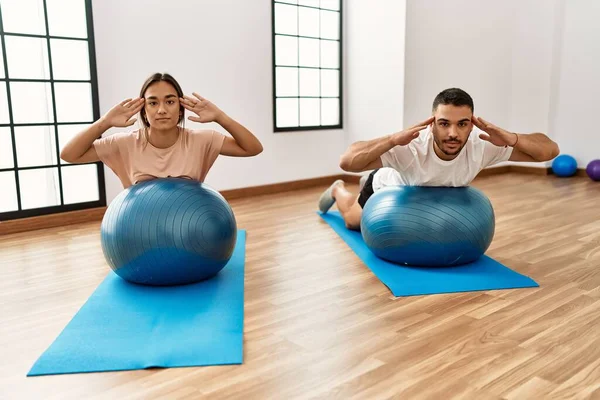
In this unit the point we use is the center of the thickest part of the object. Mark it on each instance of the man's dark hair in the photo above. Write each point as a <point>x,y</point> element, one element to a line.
<point>456,97</point>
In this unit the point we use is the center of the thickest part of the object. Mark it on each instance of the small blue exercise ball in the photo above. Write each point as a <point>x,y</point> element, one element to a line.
<point>168,231</point>
<point>428,226</point>
<point>564,165</point>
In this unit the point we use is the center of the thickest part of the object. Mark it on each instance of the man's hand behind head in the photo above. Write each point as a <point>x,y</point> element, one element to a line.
<point>408,135</point>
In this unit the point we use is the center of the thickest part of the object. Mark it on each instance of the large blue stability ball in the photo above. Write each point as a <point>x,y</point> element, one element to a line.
<point>564,165</point>
<point>169,231</point>
<point>428,226</point>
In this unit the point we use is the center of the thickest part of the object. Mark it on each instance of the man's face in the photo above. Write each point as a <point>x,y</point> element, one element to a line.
<point>451,129</point>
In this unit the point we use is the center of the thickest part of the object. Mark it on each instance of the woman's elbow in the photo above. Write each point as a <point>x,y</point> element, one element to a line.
<point>254,151</point>
<point>259,149</point>
<point>66,157</point>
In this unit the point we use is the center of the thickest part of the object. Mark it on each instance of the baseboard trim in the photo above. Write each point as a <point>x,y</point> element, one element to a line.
<point>96,214</point>
<point>516,169</point>
<point>521,169</point>
<point>494,171</point>
<point>580,172</point>
<point>51,220</point>
<point>286,186</point>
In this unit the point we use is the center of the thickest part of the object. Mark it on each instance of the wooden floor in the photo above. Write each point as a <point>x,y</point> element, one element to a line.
<point>319,324</point>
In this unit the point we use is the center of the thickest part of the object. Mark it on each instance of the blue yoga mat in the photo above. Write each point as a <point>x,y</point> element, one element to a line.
<point>124,326</point>
<point>483,274</point>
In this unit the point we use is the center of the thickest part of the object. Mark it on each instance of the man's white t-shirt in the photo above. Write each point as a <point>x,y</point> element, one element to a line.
<point>416,164</point>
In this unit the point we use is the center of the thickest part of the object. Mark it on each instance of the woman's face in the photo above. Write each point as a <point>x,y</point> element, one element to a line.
<point>162,106</point>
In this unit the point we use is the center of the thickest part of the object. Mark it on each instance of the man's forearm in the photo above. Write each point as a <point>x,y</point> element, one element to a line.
<point>537,145</point>
<point>360,154</point>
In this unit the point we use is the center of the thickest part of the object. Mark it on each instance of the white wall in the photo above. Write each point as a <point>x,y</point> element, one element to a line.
<point>535,32</point>
<point>533,44</point>
<point>502,53</point>
<point>578,85</point>
<point>459,43</point>
<point>374,68</point>
<point>221,49</point>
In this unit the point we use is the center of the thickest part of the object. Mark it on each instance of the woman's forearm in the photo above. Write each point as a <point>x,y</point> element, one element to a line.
<point>242,136</point>
<point>82,142</point>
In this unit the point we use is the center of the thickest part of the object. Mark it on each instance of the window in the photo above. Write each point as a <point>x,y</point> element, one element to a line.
<point>48,93</point>
<point>307,64</point>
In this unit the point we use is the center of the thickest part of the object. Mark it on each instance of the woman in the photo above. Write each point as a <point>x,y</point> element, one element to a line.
<point>163,147</point>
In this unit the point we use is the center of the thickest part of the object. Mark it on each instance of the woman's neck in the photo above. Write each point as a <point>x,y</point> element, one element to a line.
<point>163,138</point>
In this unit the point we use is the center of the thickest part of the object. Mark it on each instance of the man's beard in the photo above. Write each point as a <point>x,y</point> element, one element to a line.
<point>450,152</point>
<point>440,144</point>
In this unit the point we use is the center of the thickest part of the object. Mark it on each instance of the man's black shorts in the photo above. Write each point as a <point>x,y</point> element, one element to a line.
<point>367,190</point>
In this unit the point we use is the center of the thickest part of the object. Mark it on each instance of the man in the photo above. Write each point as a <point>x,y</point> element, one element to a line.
<point>440,151</point>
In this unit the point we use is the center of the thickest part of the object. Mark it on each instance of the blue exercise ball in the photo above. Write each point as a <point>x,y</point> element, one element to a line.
<point>428,226</point>
<point>564,165</point>
<point>168,231</point>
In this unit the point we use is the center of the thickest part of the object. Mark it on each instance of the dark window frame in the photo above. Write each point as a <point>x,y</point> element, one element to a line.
<point>101,202</point>
<point>340,125</point>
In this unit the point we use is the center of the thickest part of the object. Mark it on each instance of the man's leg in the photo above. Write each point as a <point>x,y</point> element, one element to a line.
<point>326,201</point>
<point>348,205</point>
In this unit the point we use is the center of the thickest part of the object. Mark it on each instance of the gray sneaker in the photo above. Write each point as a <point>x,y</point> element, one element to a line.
<point>326,200</point>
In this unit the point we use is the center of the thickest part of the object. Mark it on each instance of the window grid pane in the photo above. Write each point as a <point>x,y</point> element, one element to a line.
<point>39,99</point>
<point>80,184</point>
<point>27,57</point>
<point>36,146</point>
<point>39,188</point>
<point>67,18</point>
<point>6,152</point>
<point>24,16</point>
<point>307,49</point>
<point>2,75</point>
<point>8,200</point>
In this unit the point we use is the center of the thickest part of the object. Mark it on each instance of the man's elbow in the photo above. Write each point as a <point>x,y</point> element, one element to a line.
<point>553,152</point>
<point>346,164</point>
<point>552,149</point>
